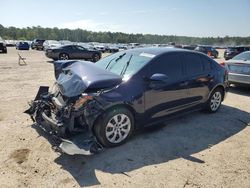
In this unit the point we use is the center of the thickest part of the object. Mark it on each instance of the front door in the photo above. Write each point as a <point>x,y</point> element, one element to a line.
<point>165,97</point>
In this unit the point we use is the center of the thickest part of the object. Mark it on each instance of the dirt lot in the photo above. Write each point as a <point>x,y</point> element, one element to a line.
<point>198,150</point>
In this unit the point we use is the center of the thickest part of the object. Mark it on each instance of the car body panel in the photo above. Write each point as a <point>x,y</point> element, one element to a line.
<point>146,94</point>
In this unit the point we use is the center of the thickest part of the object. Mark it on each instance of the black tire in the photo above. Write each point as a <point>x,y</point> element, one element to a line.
<point>96,57</point>
<point>101,128</point>
<point>5,51</point>
<point>214,102</point>
<point>63,56</point>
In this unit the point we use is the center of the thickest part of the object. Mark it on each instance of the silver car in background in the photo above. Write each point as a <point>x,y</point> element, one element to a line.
<point>239,69</point>
<point>48,44</point>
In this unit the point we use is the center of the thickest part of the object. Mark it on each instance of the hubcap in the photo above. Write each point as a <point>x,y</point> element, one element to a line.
<point>118,128</point>
<point>64,57</point>
<point>215,101</point>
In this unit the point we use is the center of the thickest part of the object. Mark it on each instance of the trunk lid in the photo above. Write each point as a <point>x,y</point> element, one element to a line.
<point>239,66</point>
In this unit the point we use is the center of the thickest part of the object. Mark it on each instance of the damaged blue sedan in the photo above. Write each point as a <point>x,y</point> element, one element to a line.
<point>123,92</point>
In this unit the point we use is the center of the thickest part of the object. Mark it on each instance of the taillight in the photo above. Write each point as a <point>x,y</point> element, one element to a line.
<point>223,64</point>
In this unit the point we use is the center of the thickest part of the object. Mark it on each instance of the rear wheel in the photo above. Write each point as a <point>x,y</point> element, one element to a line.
<point>63,56</point>
<point>214,102</point>
<point>5,51</point>
<point>114,127</point>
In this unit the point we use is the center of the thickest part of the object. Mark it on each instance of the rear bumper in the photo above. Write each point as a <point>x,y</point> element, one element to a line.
<point>239,78</point>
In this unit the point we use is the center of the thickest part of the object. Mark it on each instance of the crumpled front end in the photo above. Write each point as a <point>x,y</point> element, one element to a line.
<point>69,119</point>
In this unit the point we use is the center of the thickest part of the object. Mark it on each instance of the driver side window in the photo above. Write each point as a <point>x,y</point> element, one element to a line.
<point>168,64</point>
<point>81,48</point>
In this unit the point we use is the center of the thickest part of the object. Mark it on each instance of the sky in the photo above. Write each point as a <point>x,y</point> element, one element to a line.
<point>201,18</point>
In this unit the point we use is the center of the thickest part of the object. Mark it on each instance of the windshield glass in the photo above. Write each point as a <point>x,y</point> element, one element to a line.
<point>243,56</point>
<point>125,63</point>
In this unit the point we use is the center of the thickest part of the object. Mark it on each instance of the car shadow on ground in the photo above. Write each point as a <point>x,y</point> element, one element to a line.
<point>180,138</point>
<point>240,90</point>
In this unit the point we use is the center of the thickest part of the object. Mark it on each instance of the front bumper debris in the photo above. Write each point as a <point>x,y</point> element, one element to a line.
<point>82,142</point>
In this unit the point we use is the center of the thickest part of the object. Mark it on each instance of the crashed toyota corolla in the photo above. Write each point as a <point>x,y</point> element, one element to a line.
<point>125,91</point>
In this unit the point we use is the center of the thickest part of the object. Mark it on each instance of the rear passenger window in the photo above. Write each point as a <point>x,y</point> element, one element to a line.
<point>193,64</point>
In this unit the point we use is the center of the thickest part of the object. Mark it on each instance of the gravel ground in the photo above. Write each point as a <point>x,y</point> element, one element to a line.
<point>197,150</point>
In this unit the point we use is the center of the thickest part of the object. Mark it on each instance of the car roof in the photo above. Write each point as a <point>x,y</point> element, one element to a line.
<point>157,51</point>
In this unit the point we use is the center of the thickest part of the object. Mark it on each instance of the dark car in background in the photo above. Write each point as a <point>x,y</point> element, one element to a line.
<point>127,91</point>
<point>3,47</point>
<point>189,47</point>
<point>112,49</point>
<point>73,52</point>
<point>22,46</point>
<point>230,52</point>
<point>37,44</point>
<point>208,50</point>
<point>239,69</point>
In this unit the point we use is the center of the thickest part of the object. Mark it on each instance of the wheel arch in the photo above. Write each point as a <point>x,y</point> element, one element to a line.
<point>218,86</point>
<point>60,53</point>
<point>121,105</point>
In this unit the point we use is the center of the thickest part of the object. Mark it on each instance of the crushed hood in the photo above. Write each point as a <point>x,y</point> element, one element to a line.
<point>83,75</point>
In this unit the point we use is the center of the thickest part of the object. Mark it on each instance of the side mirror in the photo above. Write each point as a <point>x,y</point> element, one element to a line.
<point>159,77</point>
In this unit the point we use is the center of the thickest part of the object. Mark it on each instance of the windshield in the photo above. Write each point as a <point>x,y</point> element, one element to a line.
<point>243,56</point>
<point>125,63</point>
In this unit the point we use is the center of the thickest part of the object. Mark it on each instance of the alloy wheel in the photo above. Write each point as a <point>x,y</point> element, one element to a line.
<point>118,128</point>
<point>64,57</point>
<point>215,101</point>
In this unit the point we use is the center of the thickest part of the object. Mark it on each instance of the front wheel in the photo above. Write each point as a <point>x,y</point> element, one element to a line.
<point>114,127</point>
<point>95,57</point>
<point>63,56</point>
<point>214,101</point>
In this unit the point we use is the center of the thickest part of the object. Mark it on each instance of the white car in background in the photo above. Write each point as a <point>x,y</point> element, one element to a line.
<point>48,44</point>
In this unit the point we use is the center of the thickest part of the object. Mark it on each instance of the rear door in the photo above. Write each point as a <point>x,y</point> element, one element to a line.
<point>199,76</point>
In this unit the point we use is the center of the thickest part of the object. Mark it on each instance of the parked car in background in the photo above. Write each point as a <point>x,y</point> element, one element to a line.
<point>101,48</point>
<point>51,44</point>
<point>73,52</point>
<point>65,42</point>
<point>239,69</point>
<point>230,52</point>
<point>3,47</point>
<point>10,43</point>
<point>112,49</point>
<point>37,44</point>
<point>126,91</point>
<point>209,50</point>
<point>189,47</point>
<point>22,45</point>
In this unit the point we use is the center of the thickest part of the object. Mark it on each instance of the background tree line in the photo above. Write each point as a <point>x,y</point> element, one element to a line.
<point>80,35</point>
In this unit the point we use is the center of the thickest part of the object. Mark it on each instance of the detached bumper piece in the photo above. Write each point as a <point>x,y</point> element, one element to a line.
<point>82,143</point>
